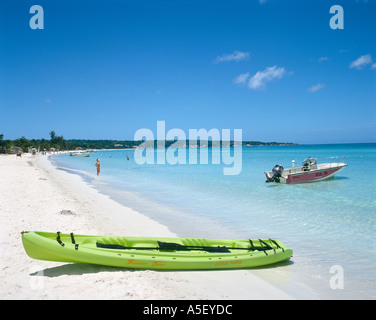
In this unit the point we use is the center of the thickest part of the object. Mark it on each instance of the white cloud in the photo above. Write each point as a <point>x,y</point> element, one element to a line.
<point>235,56</point>
<point>373,66</point>
<point>316,87</point>
<point>262,1</point>
<point>323,59</point>
<point>47,100</point>
<point>361,62</point>
<point>259,80</point>
<point>241,78</point>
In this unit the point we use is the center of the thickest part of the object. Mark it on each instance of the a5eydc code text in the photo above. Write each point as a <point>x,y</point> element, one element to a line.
<point>191,309</point>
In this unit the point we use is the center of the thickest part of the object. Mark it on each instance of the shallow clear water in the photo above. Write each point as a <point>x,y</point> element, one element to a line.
<point>326,223</point>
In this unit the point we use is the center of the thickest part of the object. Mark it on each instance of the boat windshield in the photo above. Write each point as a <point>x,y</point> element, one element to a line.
<point>309,161</point>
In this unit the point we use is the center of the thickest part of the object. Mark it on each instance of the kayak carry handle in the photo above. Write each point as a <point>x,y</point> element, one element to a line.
<point>59,240</point>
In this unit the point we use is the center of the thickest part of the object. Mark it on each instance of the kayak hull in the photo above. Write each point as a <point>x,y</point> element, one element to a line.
<point>142,252</point>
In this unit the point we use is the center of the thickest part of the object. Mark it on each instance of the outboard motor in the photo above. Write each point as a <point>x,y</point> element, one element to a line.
<point>277,173</point>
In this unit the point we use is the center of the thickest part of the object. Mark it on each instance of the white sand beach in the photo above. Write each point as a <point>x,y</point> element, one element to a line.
<point>34,195</point>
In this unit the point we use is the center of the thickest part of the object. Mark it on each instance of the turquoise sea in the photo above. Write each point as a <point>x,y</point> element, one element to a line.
<point>330,224</point>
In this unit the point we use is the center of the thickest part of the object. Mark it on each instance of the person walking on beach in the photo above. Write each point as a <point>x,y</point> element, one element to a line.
<point>98,165</point>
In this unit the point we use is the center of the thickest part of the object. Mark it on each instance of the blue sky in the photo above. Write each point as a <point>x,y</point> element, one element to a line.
<point>273,68</point>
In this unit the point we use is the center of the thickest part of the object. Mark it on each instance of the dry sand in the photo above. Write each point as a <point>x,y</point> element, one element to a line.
<point>34,195</point>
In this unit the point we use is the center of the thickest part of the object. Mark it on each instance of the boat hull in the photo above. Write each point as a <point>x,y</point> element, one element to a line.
<point>316,175</point>
<point>44,246</point>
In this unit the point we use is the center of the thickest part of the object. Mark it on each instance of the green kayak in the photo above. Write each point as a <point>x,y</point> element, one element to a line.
<point>154,253</point>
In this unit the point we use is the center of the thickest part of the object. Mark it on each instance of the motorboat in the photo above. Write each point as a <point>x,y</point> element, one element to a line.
<point>80,153</point>
<point>308,172</point>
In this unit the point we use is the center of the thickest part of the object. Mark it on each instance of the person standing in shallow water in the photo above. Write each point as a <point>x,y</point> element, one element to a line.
<point>98,165</point>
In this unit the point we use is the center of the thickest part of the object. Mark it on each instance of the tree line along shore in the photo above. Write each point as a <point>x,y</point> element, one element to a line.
<point>61,144</point>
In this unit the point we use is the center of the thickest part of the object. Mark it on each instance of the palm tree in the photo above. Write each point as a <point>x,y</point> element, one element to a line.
<point>52,135</point>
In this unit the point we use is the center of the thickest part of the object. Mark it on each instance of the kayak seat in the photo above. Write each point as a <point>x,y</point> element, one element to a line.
<point>115,241</point>
<point>194,242</point>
